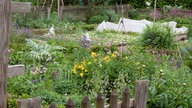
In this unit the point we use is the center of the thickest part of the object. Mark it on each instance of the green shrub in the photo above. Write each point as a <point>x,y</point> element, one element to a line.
<point>88,27</point>
<point>98,19</point>
<point>113,17</point>
<point>182,21</point>
<point>186,53</point>
<point>157,36</point>
<point>189,32</point>
<point>133,14</point>
<point>104,15</point>
<point>170,89</point>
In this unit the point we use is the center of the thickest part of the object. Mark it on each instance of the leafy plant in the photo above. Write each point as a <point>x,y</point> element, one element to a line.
<point>186,52</point>
<point>41,52</point>
<point>157,36</point>
<point>98,19</point>
<point>170,89</point>
<point>133,14</point>
<point>189,32</point>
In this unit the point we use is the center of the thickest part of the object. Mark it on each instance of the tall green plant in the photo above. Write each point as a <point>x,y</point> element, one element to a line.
<point>157,36</point>
<point>189,32</point>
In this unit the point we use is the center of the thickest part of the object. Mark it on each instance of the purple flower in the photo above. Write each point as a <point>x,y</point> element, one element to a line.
<point>34,81</point>
<point>44,79</point>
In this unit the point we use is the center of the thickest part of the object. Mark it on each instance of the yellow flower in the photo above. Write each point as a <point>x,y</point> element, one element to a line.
<point>116,53</point>
<point>107,58</point>
<point>82,68</point>
<point>89,63</point>
<point>86,70</point>
<point>75,66</point>
<point>126,57</point>
<point>93,54</point>
<point>95,60</point>
<point>113,55</point>
<point>137,63</point>
<point>81,74</point>
<point>74,71</point>
<point>84,62</point>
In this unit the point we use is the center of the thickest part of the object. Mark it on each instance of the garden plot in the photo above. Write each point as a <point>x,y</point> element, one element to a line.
<point>129,25</point>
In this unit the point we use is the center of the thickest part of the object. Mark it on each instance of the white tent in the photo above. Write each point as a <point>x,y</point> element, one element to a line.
<point>129,25</point>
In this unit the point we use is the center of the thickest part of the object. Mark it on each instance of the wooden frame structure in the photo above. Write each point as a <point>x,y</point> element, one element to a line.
<point>6,7</point>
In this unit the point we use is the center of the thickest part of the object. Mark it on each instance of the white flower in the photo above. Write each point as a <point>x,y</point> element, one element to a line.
<point>52,30</point>
<point>161,70</point>
<point>147,3</point>
<point>162,74</point>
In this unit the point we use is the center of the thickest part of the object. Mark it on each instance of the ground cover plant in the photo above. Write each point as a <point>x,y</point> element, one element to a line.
<point>58,67</point>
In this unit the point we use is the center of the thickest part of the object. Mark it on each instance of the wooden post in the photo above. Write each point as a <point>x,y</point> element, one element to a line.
<point>141,94</point>
<point>100,101</point>
<point>58,7</point>
<point>53,105</point>
<point>61,13</point>
<point>154,16</point>
<point>70,104</point>
<point>116,8</point>
<point>86,102</point>
<point>48,12</point>
<point>126,98</point>
<point>30,103</point>
<point>164,11</point>
<point>4,44</point>
<point>113,99</point>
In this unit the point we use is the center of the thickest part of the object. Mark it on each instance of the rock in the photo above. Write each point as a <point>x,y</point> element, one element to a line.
<point>181,38</point>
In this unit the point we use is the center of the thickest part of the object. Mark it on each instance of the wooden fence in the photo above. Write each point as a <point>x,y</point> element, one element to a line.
<point>139,100</point>
<point>82,11</point>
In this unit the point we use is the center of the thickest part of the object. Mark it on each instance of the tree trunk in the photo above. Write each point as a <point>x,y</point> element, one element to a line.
<point>51,4</point>
<point>62,3</point>
<point>58,7</point>
<point>4,43</point>
<point>154,16</point>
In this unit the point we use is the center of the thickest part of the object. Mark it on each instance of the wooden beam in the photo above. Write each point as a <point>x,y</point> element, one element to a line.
<point>4,44</point>
<point>20,7</point>
<point>16,70</point>
<point>141,94</point>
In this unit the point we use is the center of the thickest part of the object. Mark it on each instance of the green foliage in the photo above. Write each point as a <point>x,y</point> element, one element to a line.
<point>98,19</point>
<point>170,89</point>
<point>182,21</point>
<point>42,52</point>
<point>186,52</point>
<point>157,36</point>
<point>113,17</point>
<point>104,15</point>
<point>49,96</point>
<point>189,32</point>
<point>133,14</point>
<point>88,27</point>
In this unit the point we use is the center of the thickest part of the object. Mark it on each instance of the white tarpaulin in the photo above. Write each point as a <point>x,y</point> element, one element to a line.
<point>107,26</point>
<point>129,25</point>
